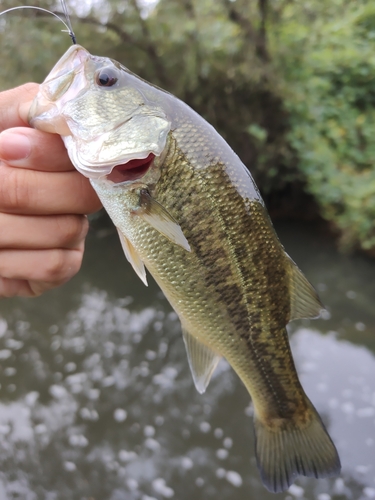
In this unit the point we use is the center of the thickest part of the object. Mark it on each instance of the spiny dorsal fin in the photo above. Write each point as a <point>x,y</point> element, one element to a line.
<point>304,301</point>
<point>160,219</point>
<point>202,360</point>
<point>133,257</point>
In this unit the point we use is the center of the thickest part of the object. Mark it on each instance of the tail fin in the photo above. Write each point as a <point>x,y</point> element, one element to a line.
<point>285,452</point>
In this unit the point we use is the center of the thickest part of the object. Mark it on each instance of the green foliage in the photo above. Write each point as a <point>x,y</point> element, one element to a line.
<point>329,92</point>
<point>290,85</point>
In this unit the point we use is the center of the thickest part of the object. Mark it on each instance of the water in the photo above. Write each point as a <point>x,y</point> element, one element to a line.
<point>97,402</point>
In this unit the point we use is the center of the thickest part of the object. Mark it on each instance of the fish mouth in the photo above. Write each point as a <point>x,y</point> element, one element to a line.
<point>130,171</point>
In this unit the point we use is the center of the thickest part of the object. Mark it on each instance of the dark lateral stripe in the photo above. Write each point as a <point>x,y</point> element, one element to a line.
<point>246,273</point>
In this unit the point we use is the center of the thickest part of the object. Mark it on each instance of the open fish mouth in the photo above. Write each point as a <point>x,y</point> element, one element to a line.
<point>130,171</point>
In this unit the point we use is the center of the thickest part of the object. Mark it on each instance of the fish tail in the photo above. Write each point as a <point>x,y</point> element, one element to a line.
<point>285,450</point>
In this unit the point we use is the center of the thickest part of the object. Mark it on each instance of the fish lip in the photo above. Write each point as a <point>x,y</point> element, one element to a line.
<point>45,110</point>
<point>73,59</point>
<point>100,170</point>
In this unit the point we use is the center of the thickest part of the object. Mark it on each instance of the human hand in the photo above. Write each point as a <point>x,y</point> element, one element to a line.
<point>43,202</point>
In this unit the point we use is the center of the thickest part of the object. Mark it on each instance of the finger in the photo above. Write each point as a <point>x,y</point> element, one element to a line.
<point>28,148</point>
<point>50,268</point>
<point>23,288</point>
<point>42,232</point>
<point>16,288</point>
<point>30,192</point>
<point>15,105</point>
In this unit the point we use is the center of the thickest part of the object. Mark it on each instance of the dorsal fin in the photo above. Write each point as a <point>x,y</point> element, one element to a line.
<point>202,360</point>
<point>304,300</point>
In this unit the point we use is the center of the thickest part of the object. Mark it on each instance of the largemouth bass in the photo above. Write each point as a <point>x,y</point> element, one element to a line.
<point>188,210</point>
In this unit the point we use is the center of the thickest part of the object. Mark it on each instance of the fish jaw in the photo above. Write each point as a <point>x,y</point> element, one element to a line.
<point>63,83</point>
<point>119,150</point>
<point>108,131</point>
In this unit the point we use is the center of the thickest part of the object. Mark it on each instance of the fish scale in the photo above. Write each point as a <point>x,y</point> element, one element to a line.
<point>193,216</point>
<point>199,288</point>
<point>238,239</point>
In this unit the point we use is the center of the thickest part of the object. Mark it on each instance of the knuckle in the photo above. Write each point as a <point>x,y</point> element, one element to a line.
<point>72,229</point>
<point>55,265</point>
<point>63,265</point>
<point>14,189</point>
<point>75,261</point>
<point>29,88</point>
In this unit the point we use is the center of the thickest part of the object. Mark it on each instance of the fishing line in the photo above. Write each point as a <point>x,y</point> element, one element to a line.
<point>67,26</point>
<point>67,17</point>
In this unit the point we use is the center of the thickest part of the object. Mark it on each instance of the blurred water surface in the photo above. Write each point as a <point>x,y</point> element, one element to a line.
<point>97,401</point>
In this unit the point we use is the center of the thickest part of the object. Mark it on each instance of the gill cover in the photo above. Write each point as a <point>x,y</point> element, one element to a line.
<point>106,115</point>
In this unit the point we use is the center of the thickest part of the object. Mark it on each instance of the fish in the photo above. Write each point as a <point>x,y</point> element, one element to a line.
<point>188,210</point>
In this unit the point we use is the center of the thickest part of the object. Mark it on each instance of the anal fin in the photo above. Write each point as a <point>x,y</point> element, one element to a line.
<point>133,257</point>
<point>202,360</point>
<point>304,300</point>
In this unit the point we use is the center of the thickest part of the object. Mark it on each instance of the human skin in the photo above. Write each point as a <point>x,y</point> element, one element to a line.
<point>43,203</point>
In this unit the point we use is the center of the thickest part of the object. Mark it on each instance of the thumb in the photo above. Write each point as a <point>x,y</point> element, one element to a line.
<point>15,105</point>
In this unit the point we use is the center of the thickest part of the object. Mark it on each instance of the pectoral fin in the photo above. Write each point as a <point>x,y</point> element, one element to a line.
<point>133,257</point>
<point>202,361</point>
<point>160,219</point>
<point>304,301</point>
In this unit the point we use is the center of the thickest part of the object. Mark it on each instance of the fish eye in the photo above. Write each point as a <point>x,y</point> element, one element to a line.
<point>106,77</point>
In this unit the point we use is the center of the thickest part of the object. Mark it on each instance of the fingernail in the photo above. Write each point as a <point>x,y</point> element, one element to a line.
<point>14,146</point>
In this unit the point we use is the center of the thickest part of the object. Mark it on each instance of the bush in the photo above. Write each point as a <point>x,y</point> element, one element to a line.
<point>329,91</point>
